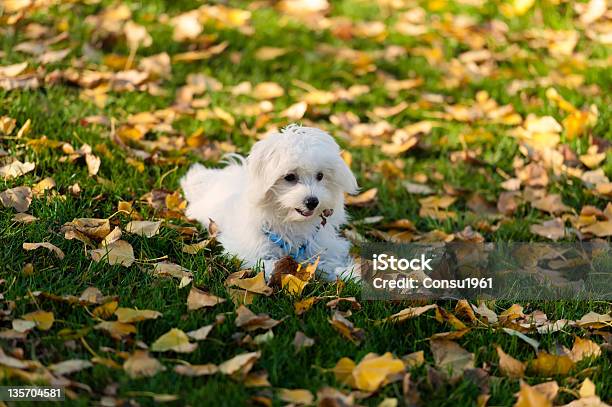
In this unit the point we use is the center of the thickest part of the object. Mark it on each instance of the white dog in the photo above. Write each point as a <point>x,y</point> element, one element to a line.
<point>285,199</point>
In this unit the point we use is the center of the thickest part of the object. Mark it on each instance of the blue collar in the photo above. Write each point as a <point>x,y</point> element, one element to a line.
<point>297,254</point>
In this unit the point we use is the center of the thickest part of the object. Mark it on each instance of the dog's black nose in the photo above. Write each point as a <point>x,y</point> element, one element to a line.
<point>311,202</point>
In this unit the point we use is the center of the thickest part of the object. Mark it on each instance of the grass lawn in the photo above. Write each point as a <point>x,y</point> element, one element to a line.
<point>470,72</point>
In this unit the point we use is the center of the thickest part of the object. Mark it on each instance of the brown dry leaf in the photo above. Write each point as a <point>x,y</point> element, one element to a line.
<point>449,356</point>
<point>587,388</point>
<point>414,359</point>
<point>304,305</point>
<point>446,316</point>
<point>257,379</point>
<point>296,396</point>
<point>19,198</point>
<point>346,328</point>
<point>84,229</point>
<point>199,299</point>
<point>43,185</point>
<point>239,366</point>
<point>269,53</point>
<point>43,319</point>
<point>531,397</point>
<point>11,71</point>
<point>594,320</point>
<point>24,218</point>
<point>409,313</point>
<point>302,341</point>
<point>93,164</point>
<point>127,315</point>
<point>364,199</point>
<point>16,169</point>
<point>207,369</point>
<point>553,229</point>
<point>509,366</point>
<point>584,348</point>
<point>116,329</point>
<point>267,90</point>
<point>70,366</point>
<point>105,311</point>
<point>201,333</point>
<point>374,371</point>
<point>143,227</point>
<point>174,340</point>
<point>141,364</point>
<point>119,252</point>
<point>255,284</point>
<point>551,204</point>
<point>464,310</point>
<point>551,365</point>
<point>92,295</point>
<point>599,229</point>
<point>249,321</point>
<point>56,250</point>
<point>437,207</point>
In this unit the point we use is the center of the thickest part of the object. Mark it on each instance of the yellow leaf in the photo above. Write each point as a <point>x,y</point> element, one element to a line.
<point>371,373</point>
<point>196,370</point>
<point>304,305</point>
<point>119,252</point>
<point>343,371</point>
<point>587,389</point>
<point>530,397</point>
<point>116,329</point>
<point>584,348</point>
<point>255,284</point>
<point>128,315</point>
<point>293,284</point>
<point>143,227</point>
<point>174,340</point>
<point>409,313</point>
<point>43,319</point>
<point>105,311</point>
<point>364,199</point>
<point>239,365</point>
<point>296,396</point>
<point>551,365</point>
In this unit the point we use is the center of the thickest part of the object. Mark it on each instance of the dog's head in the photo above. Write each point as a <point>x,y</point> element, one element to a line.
<point>299,174</point>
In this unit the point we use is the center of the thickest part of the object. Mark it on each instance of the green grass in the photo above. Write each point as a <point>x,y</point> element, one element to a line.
<point>56,112</point>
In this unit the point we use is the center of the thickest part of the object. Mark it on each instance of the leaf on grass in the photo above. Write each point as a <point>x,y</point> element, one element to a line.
<point>127,315</point>
<point>21,325</point>
<point>117,330</point>
<point>594,320</point>
<point>509,366</point>
<point>409,313</point>
<point>553,229</point>
<point>92,295</point>
<point>257,379</point>
<point>196,370</point>
<point>530,397</point>
<point>364,199</point>
<point>551,365</point>
<point>584,348</point>
<point>374,371</point>
<point>43,319</point>
<point>70,366</point>
<point>293,284</point>
<point>201,333</point>
<point>93,164</point>
<point>143,227</point>
<point>24,218</point>
<point>166,269</point>
<point>84,229</point>
<point>16,169</point>
<point>239,366</point>
<point>141,364</point>
<point>199,299</point>
<point>534,343</point>
<point>105,311</point>
<point>449,356</point>
<point>300,340</point>
<point>174,340</point>
<point>255,284</point>
<point>296,396</point>
<point>304,305</point>
<point>414,359</point>
<point>464,310</point>
<point>56,250</point>
<point>19,198</point>
<point>249,321</point>
<point>346,328</point>
<point>551,204</point>
<point>119,252</point>
<point>484,311</point>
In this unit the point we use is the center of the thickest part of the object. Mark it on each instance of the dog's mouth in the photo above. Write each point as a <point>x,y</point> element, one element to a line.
<point>304,213</point>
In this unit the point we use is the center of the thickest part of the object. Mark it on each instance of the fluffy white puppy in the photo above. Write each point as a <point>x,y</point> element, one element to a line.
<point>285,199</point>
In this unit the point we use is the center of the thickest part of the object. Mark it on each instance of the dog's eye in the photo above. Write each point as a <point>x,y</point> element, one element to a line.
<point>290,178</point>
<point>319,176</point>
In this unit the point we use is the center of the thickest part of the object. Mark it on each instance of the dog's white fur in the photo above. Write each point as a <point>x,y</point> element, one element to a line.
<point>251,196</point>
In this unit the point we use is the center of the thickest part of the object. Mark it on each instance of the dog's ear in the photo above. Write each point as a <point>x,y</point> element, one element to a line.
<point>345,177</point>
<point>259,162</point>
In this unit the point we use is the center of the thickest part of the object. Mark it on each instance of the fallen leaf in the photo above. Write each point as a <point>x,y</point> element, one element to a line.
<point>530,397</point>
<point>551,204</point>
<point>141,364</point>
<point>364,199</point>
<point>143,227</point>
<point>292,284</point>
<point>33,246</point>
<point>201,333</point>
<point>553,229</point>
<point>119,252</point>
<point>584,348</point>
<point>346,328</point>
<point>19,198</point>
<point>43,319</point>
<point>372,372</point>
<point>128,315</point>
<point>239,365</point>
<point>116,329</point>
<point>70,366</point>
<point>249,321</point>
<point>551,365</point>
<point>296,396</point>
<point>300,340</point>
<point>534,343</point>
<point>449,356</point>
<point>199,299</point>
<point>16,169</point>
<point>255,284</point>
<point>24,218</point>
<point>196,370</point>
<point>267,90</point>
<point>509,366</point>
<point>174,340</point>
<point>409,313</point>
